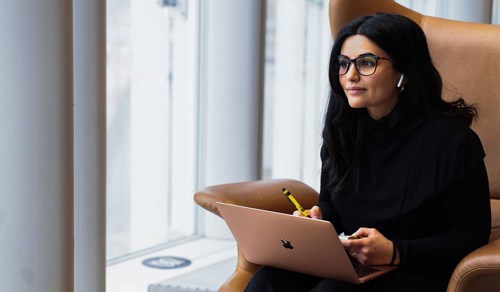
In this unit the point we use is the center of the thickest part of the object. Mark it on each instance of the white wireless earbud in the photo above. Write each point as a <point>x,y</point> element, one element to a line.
<point>400,81</point>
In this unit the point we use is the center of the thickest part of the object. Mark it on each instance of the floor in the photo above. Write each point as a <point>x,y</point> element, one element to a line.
<point>207,279</point>
<point>212,262</point>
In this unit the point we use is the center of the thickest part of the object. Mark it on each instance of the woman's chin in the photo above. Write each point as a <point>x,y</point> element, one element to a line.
<point>356,104</point>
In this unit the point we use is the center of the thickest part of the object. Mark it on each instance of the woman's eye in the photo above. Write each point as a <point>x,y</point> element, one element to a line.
<point>343,64</point>
<point>367,62</point>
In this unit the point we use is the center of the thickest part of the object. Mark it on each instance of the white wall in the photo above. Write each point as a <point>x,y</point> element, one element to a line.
<point>36,149</point>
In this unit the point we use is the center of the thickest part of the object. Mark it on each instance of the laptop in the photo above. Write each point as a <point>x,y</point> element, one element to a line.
<point>294,243</point>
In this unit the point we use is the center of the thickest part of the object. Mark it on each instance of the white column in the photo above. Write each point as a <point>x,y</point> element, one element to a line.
<point>466,10</point>
<point>89,49</point>
<point>36,149</point>
<point>231,93</point>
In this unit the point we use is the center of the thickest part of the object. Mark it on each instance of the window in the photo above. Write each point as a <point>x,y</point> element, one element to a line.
<point>152,67</point>
<point>458,10</point>
<point>298,44</point>
<point>427,7</point>
<point>496,12</point>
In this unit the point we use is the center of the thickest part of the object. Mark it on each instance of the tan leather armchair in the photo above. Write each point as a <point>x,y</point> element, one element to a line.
<point>467,56</point>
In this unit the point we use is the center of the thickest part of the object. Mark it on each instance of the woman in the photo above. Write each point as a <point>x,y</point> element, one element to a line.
<point>401,169</point>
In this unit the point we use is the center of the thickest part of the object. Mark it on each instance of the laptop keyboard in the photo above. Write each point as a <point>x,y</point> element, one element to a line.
<point>362,271</point>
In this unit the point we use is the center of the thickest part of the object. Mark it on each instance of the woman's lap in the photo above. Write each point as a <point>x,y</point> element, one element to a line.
<point>269,279</point>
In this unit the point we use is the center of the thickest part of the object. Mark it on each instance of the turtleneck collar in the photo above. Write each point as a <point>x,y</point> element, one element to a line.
<point>385,123</point>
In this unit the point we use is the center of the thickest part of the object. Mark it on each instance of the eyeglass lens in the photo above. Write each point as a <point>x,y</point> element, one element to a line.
<point>365,65</point>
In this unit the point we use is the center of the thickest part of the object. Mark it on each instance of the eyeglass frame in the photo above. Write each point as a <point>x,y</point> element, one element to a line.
<point>356,65</point>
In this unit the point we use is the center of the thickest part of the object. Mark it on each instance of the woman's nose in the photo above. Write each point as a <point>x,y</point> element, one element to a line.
<point>352,73</point>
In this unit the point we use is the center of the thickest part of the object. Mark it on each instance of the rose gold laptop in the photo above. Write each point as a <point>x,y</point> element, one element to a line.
<point>294,243</point>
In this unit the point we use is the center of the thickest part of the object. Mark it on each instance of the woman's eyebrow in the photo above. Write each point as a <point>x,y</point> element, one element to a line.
<point>360,55</point>
<point>366,54</point>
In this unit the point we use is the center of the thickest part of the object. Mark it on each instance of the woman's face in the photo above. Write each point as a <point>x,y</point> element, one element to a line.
<point>378,92</point>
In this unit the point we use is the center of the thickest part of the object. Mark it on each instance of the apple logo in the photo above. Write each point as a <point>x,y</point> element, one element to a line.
<point>286,244</point>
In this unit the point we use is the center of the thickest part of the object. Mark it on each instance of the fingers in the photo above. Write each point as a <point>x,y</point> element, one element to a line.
<point>354,244</point>
<point>315,213</point>
<point>372,247</point>
<point>358,238</point>
<point>297,213</point>
<point>359,255</point>
<point>358,243</point>
<point>363,232</point>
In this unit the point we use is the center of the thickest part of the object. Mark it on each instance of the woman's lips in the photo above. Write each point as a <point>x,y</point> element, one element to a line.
<point>355,90</point>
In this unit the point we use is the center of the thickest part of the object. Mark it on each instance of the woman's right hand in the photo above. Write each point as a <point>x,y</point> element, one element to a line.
<point>314,213</point>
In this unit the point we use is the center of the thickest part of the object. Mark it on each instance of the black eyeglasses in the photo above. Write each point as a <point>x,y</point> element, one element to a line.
<point>366,65</point>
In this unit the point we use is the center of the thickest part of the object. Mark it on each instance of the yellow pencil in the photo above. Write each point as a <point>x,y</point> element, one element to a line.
<point>294,202</point>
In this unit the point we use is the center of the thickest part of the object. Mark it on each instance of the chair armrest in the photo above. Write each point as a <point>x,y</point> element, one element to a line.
<point>478,271</point>
<point>260,194</point>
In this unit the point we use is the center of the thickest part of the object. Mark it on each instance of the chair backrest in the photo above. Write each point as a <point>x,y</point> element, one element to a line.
<point>468,57</point>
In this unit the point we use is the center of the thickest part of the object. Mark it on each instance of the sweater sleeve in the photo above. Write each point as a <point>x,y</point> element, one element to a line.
<point>467,210</point>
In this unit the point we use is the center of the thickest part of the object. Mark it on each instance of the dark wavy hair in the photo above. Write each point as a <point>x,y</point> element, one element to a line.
<point>405,43</point>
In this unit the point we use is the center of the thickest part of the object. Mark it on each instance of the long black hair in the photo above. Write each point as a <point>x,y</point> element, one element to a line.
<point>405,43</point>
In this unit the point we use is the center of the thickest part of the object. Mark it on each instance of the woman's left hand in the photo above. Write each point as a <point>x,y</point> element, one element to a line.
<point>370,248</point>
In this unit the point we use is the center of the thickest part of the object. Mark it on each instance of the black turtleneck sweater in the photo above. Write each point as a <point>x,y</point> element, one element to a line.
<point>423,184</point>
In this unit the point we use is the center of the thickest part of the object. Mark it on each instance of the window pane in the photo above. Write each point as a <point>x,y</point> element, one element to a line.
<point>496,12</point>
<point>151,123</point>
<point>298,44</point>
<point>427,7</point>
